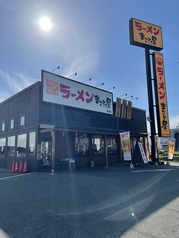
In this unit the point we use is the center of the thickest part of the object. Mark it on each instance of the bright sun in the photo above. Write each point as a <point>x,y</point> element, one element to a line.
<point>45,23</point>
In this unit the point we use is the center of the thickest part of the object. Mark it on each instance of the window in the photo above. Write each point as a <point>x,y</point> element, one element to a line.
<point>98,144</point>
<point>12,124</point>
<point>2,146</point>
<point>22,120</point>
<point>32,144</point>
<point>3,126</point>
<point>81,144</point>
<point>11,146</point>
<point>21,145</point>
<point>112,145</point>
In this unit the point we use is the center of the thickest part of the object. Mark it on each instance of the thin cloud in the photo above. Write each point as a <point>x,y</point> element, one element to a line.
<point>83,64</point>
<point>14,82</point>
<point>77,47</point>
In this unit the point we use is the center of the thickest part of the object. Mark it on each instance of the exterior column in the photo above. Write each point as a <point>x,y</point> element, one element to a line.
<point>53,152</point>
<point>151,104</point>
<point>106,150</point>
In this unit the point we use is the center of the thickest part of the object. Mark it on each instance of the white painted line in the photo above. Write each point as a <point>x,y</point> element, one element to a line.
<point>152,170</point>
<point>19,175</point>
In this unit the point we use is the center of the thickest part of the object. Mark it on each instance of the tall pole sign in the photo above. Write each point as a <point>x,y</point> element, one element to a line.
<point>149,36</point>
<point>161,95</point>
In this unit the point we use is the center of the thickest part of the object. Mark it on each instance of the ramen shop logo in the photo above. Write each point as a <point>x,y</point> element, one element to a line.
<point>52,87</point>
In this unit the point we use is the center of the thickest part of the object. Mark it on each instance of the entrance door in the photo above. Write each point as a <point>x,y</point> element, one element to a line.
<point>46,153</point>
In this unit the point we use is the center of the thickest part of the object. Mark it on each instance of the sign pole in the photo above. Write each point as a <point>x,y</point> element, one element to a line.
<point>150,101</point>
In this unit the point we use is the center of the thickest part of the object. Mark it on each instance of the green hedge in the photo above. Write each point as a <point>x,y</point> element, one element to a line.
<point>164,157</point>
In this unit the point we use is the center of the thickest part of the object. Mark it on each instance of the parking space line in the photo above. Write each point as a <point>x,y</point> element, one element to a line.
<point>152,170</point>
<point>14,176</point>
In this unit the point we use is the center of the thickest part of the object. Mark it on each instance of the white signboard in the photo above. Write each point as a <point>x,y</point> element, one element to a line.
<point>60,90</point>
<point>143,153</point>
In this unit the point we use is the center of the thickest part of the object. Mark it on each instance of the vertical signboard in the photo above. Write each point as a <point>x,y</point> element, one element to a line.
<point>124,108</point>
<point>171,147</point>
<point>161,96</point>
<point>129,110</point>
<point>141,148</point>
<point>126,146</point>
<point>145,34</point>
<point>118,107</point>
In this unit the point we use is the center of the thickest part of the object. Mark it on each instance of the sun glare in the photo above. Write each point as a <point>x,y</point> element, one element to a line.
<point>45,23</point>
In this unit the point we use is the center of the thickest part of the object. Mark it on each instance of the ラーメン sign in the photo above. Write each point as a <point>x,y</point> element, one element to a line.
<point>60,90</point>
<point>145,34</point>
<point>161,96</point>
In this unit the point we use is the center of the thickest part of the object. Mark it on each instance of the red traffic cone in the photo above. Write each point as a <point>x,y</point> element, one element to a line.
<point>20,167</point>
<point>25,167</point>
<point>16,167</point>
<point>13,168</point>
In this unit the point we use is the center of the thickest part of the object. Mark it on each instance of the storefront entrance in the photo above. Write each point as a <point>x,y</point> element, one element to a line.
<point>46,154</point>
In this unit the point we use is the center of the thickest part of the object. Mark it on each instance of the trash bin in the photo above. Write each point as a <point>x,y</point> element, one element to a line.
<point>92,163</point>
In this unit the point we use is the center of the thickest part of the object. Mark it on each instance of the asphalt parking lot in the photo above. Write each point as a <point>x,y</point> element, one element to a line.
<point>91,202</point>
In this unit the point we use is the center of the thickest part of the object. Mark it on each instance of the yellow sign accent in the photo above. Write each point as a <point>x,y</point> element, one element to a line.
<point>171,147</point>
<point>145,34</point>
<point>163,119</point>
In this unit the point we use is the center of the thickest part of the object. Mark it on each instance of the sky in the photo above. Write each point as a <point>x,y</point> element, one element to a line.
<point>90,37</point>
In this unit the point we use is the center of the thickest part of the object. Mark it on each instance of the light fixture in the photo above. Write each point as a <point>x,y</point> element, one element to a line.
<point>87,80</point>
<point>135,98</point>
<point>58,67</point>
<point>129,96</point>
<point>123,95</point>
<point>73,74</point>
<point>111,88</point>
<point>99,84</point>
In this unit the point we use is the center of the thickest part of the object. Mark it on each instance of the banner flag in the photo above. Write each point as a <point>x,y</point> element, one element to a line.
<point>126,146</point>
<point>171,147</point>
<point>147,149</point>
<point>143,153</point>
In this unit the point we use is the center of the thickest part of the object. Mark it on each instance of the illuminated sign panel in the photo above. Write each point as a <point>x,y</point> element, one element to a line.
<point>144,34</point>
<point>161,96</point>
<point>60,90</point>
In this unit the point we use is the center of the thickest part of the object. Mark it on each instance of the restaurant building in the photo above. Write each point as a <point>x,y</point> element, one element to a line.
<point>58,118</point>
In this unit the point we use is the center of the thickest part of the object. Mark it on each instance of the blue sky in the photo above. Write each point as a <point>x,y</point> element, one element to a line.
<point>90,37</point>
